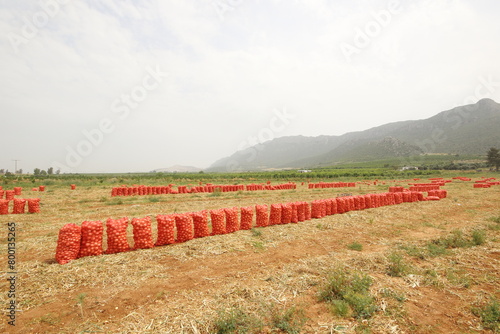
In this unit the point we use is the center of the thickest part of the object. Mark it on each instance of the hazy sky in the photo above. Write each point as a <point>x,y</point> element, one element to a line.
<point>124,86</point>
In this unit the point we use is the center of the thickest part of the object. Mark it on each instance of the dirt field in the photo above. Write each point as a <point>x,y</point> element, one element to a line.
<point>270,278</point>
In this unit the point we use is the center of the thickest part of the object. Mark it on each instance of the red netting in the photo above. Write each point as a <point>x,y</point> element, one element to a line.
<point>68,243</point>
<point>91,243</point>
<point>166,230</point>
<point>143,234</point>
<point>116,231</point>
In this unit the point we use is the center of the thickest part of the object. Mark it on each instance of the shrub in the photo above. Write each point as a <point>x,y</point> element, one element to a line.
<point>236,321</point>
<point>490,315</point>
<point>289,320</point>
<point>355,246</point>
<point>478,237</point>
<point>348,293</point>
<point>435,250</point>
<point>455,240</point>
<point>397,267</point>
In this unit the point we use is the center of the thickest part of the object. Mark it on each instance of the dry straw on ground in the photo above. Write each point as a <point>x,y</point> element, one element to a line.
<point>183,288</point>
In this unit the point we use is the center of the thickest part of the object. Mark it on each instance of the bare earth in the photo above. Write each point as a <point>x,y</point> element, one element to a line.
<point>181,288</point>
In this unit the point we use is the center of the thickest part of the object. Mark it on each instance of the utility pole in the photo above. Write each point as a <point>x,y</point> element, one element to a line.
<point>15,168</point>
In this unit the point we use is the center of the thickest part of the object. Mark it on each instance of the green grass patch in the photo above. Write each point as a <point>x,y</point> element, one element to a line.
<point>478,237</point>
<point>236,321</point>
<point>355,246</point>
<point>397,266</point>
<point>115,201</point>
<point>289,320</point>
<point>489,315</point>
<point>348,293</point>
<point>496,223</point>
<point>389,293</point>
<point>153,199</point>
<point>256,232</point>
<point>258,245</point>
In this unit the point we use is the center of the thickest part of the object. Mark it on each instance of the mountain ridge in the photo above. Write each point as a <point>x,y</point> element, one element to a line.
<point>465,129</point>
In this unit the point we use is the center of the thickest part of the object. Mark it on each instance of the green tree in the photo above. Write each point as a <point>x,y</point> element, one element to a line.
<point>50,171</point>
<point>36,171</point>
<point>493,158</point>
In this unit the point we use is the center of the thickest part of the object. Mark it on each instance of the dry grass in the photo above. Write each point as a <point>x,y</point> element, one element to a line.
<point>184,288</point>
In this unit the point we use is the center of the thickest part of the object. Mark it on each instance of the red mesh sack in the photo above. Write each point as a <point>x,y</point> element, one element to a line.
<point>185,227</point>
<point>91,243</point>
<point>200,221</point>
<point>33,205</point>
<point>286,213</point>
<point>4,207</point>
<point>362,202</point>
<point>275,214</point>
<point>307,210</point>
<point>368,201</point>
<point>17,191</point>
<point>41,188</point>
<point>9,195</point>
<point>341,205</point>
<point>315,209</point>
<point>116,231</point>
<point>166,230</point>
<point>350,203</point>
<point>19,205</point>
<point>323,208</point>
<point>232,223</point>
<point>73,186</point>
<point>246,218</point>
<point>262,219</point>
<point>398,197</point>
<point>218,221</point>
<point>301,211</point>
<point>295,212</point>
<point>333,206</point>
<point>68,243</point>
<point>357,204</point>
<point>143,234</point>
<point>328,207</point>
<point>1,194</point>
<point>420,196</point>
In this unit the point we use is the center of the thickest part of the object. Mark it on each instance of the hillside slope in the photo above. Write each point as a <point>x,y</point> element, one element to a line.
<point>464,130</point>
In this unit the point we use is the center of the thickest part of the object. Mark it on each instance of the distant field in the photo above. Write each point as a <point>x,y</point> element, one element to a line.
<point>424,267</point>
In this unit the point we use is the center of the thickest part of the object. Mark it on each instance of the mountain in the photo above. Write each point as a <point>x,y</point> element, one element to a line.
<point>465,130</point>
<point>178,169</point>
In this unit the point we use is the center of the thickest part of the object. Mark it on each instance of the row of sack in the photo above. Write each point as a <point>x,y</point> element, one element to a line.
<point>19,205</point>
<point>76,241</point>
<point>208,188</point>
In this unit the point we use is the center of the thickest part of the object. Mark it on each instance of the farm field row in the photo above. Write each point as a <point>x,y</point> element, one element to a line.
<point>261,273</point>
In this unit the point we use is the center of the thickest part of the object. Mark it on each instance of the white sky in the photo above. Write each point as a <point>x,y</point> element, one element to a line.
<point>224,70</point>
